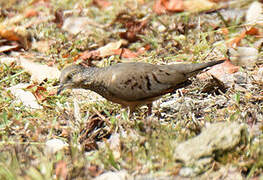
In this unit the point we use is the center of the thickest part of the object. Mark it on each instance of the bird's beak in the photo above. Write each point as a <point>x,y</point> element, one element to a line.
<point>60,88</point>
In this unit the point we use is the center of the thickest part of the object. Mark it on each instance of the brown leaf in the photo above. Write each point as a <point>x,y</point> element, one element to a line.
<point>14,35</point>
<point>104,51</point>
<point>59,19</point>
<point>38,1</point>
<point>94,170</point>
<point>158,7</point>
<point>220,70</point>
<point>133,26</point>
<point>236,41</point>
<point>108,49</point>
<point>31,13</point>
<point>86,55</point>
<point>126,53</point>
<point>165,6</point>
<point>173,5</point>
<point>61,170</point>
<point>252,31</point>
<point>224,31</point>
<point>101,3</point>
<point>217,0</point>
<point>143,49</point>
<point>40,93</point>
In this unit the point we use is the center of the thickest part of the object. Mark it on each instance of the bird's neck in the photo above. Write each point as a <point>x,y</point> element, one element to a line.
<point>91,77</point>
<point>95,81</point>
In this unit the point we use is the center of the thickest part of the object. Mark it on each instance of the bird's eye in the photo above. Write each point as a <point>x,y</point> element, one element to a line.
<point>69,78</point>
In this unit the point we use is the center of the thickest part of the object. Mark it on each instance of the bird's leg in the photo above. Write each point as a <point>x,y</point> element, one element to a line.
<point>130,111</point>
<point>149,109</point>
<point>148,119</point>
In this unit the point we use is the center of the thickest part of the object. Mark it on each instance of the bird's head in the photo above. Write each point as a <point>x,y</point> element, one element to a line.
<point>71,77</point>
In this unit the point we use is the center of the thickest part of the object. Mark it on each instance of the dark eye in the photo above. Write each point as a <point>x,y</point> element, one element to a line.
<point>69,78</point>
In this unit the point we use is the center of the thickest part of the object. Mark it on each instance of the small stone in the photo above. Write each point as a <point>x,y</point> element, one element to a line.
<point>54,145</point>
<point>244,56</point>
<point>199,151</point>
<point>120,175</point>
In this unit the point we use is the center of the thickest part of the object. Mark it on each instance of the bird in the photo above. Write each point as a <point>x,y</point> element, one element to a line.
<point>131,84</point>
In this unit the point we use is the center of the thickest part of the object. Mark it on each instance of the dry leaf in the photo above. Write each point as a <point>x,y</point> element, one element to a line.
<point>26,97</point>
<point>75,25</point>
<point>126,53</point>
<point>220,70</point>
<point>111,49</point>
<point>41,93</point>
<point>173,5</point>
<point>8,48</point>
<point>59,19</point>
<point>108,49</point>
<point>101,3</point>
<point>39,72</point>
<point>198,5</point>
<point>94,170</point>
<point>15,34</point>
<point>158,7</point>
<point>218,0</point>
<point>143,49</point>
<point>254,14</point>
<point>165,6</point>
<point>224,31</point>
<point>61,170</point>
<point>31,13</point>
<point>236,41</point>
<point>133,26</point>
<point>87,55</point>
<point>253,31</point>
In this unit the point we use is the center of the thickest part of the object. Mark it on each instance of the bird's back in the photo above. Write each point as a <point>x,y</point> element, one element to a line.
<point>139,81</point>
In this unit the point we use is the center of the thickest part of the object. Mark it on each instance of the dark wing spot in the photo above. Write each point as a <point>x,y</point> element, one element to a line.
<point>148,82</point>
<point>160,70</point>
<point>128,82</point>
<point>140,87</point>
<point>155,78</point>
<point>134,85</point>
<point>168,74</point>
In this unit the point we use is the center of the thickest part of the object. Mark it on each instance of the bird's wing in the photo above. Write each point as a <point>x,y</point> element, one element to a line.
<point>138,81</point>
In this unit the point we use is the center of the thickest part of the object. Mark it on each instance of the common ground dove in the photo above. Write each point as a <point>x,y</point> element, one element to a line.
<point>131,84</point>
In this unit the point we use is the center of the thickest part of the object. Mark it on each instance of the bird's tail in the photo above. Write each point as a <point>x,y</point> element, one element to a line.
<point>192,69</point>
